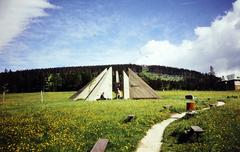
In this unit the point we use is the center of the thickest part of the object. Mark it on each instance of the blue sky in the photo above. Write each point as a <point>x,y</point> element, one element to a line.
<point>58,33</point>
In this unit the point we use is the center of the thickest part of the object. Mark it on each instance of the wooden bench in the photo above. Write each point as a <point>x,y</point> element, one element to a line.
<point>212,105</point>
<point>196,130</point>
<point>190,114</point>
<point>129,118</point>
<point>100,145</point>
<point>167,106</point>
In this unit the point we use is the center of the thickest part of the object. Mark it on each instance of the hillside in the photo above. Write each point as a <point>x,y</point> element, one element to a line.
<point>74,78</point>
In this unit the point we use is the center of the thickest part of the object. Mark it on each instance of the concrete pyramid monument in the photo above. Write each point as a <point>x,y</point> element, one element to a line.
<point>98,88</point>
<point>102,86</point>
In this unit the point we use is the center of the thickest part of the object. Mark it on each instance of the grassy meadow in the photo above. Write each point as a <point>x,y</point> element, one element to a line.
<point>221,130</point>
<point>59,124</point>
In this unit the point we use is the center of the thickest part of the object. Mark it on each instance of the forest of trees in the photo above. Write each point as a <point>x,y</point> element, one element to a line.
<point>74,78</point>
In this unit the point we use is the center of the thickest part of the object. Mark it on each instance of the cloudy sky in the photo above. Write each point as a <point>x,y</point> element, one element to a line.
<point>192,34</point>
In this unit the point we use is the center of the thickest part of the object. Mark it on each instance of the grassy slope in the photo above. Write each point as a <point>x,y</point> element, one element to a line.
<point>163,77</point>
<point>221,125</point>
<point>58,124</point>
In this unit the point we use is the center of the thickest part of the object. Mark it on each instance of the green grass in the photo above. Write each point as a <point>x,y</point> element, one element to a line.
<point>221,130</point>
<point>163,77</point>
<point>60,124</point>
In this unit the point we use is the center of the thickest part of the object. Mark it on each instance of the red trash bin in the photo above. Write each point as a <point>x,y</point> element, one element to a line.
<point>191,106</point>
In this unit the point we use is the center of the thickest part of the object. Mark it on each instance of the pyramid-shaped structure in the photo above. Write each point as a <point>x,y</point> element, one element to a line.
<point>101,85</point>
<point>138,89</point>
<point>133,87</point>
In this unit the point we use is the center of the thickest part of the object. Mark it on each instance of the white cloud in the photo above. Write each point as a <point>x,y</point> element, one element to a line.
<point>217,45</point>
<point>16,15</point>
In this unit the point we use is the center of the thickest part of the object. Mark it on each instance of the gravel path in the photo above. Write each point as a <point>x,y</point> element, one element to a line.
<point>152,141</point>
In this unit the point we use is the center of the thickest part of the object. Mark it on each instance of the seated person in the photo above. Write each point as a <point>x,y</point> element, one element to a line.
<point>102,97</point>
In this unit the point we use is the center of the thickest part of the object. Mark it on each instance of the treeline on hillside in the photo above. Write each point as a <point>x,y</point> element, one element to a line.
<point>184,79</point>
<point>74,78</point>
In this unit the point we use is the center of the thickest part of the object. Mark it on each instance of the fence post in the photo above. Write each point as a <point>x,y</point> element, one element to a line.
<point>41,96</point>
<point>3,97</point>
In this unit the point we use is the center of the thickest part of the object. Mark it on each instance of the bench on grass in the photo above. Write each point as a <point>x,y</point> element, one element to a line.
<point>196,130</point>
<point>129,118</point>
<point>212,105</point>
<point>190,114</point>
<point>167,106</point>
<point>100,145</point>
